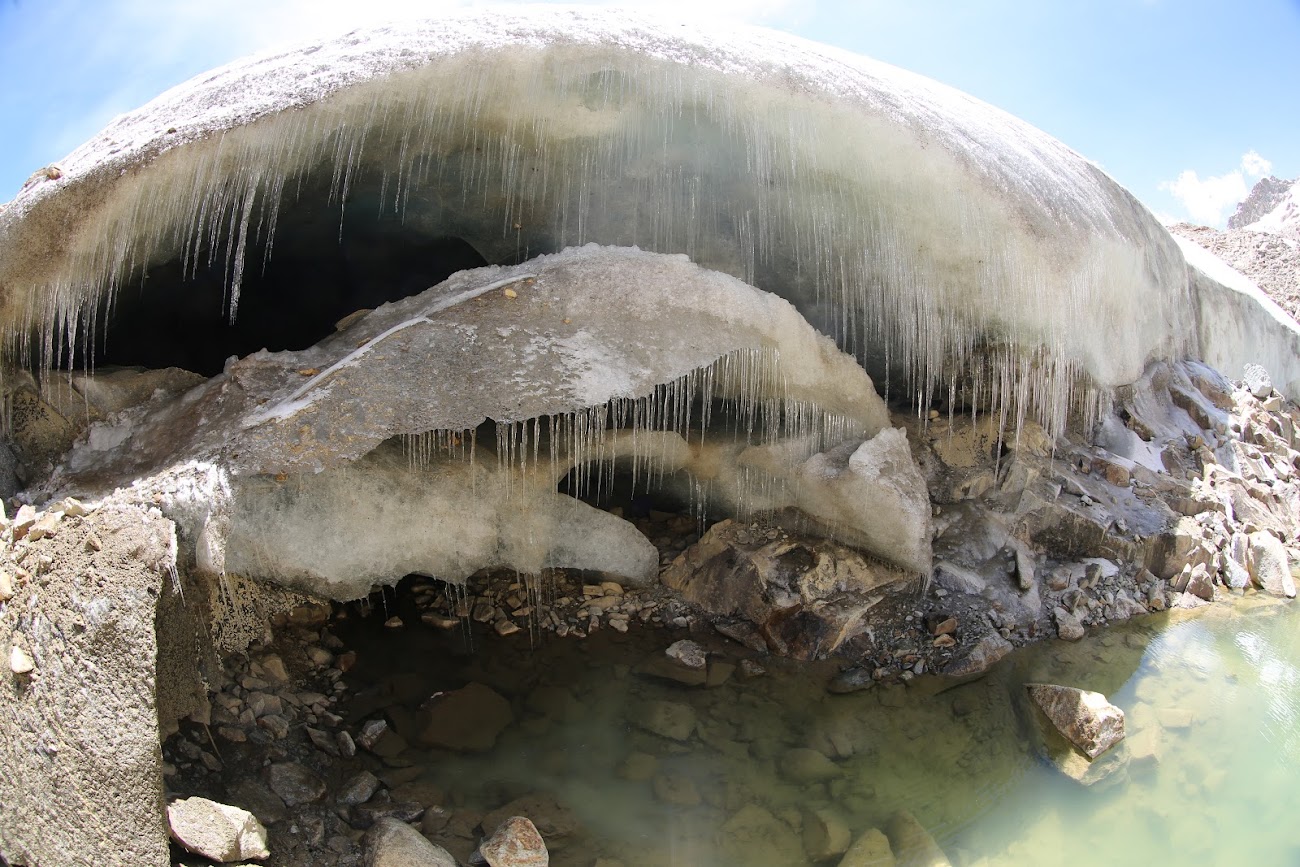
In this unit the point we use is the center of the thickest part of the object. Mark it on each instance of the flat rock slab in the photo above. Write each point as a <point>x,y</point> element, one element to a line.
<point>667,719</point>
<point>1086,719</point>
<point>467,719</point>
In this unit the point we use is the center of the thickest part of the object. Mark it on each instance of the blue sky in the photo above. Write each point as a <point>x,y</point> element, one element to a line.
<point>1185,102</point>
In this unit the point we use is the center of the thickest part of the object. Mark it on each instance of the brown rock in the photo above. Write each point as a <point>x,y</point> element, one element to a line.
<point>466,720</point>
<point>516,843</point>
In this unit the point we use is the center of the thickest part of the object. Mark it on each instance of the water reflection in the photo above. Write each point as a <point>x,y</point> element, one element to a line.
<point>1212,751</point>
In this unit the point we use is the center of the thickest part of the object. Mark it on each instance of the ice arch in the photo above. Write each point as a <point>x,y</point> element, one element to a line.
<point>929,234</point>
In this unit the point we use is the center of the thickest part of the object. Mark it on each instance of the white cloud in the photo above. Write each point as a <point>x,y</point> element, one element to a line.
<point>1255,165</point>
<point>1206,199</point>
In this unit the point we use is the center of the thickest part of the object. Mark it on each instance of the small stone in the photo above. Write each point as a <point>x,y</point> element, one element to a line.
<point>440,621</point>
<point>393,622</point>
<point>263,704</point>
<point>515,843</point>
<point>323,741</point>
<point>947,626</point>
<point>347,746</point>
<point>274,669</point>
<point>358,789</point>
<point>71,507</point>
<point>295,784</point>
<point>371,732</point>
<point>311,614</point>
<point>749,669</point>
<point>92,543</point>
<point>319,656</point>
<point>6,587</point>
<point>23,521</point>
<point>688,654</point>
<point>944,641</point>
<point>20,661</point>
<point>47,525</point>
<point>276,725</point>
<point>851,680</point>
<point>505,626</point>
<point>216,831</point>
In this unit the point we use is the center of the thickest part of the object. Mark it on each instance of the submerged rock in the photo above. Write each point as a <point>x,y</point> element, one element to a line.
<point>752,835</point>
<point>467,719</point>
<point>667,719</point>
<point>871,849</point>
<point>912,844</point>
<point>1087,719</point>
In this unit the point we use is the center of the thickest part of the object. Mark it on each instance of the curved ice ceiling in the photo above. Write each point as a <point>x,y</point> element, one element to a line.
<point>930,234</point>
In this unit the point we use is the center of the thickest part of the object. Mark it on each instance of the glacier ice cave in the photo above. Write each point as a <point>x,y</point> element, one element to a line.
<point>363,309</point>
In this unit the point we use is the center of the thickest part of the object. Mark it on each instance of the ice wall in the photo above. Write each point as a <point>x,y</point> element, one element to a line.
<point>936,238</point>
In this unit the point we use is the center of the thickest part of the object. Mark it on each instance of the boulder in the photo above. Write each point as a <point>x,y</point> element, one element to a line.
<point>667,719</point>
<point>1257,381</point>
<point>1087,719</point>
<point>1068,627</point>
<point>912,844</point>
<point>466,720</point>
<point>1270,567</point>
<point>752,835</point>
<point>217,831</point>
<point>515,843</point>
<point>871,849</point>
<point>982,655</point>
<point>806,596</point>
<point>825,834</point>
<point>392,843</point>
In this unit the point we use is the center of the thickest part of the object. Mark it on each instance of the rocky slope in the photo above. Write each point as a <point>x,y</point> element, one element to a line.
<point>1272,206</point>
<point>1262,240</point>
<point>1272,261</point>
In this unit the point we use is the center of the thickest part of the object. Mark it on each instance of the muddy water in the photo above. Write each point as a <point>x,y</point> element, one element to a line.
<point>1215,697</point>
